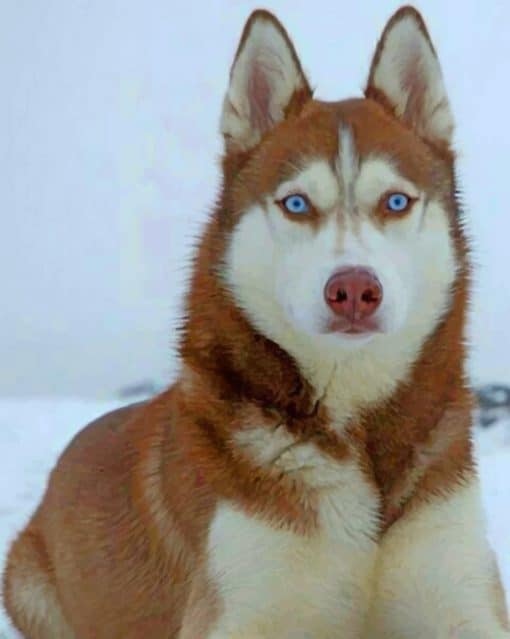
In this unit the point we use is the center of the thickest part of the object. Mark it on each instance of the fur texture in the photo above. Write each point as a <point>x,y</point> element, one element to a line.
<point>299,479</point>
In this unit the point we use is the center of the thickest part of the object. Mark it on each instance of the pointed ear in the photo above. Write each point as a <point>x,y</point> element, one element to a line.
<point>267,83</point>
<point>406,77</point>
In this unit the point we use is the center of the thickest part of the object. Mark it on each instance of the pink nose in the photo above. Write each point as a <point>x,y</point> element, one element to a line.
<point>354,292</point>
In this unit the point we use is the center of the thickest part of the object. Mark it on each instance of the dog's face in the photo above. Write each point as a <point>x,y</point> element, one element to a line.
<point>343,211</point>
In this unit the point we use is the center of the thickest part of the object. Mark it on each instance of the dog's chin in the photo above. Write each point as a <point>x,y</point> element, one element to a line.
<point>350,339</point>
<point>335,333</point>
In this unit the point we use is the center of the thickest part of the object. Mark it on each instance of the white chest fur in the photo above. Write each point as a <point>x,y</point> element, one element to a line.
<point>274,583</point>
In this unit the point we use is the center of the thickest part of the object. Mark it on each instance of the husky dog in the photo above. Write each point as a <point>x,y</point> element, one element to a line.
<point>310,473</point>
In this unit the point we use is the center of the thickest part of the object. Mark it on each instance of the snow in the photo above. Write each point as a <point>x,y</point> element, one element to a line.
<point>34,431</point>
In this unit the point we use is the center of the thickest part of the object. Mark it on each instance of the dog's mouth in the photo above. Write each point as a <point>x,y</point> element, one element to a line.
<point>357,328</point>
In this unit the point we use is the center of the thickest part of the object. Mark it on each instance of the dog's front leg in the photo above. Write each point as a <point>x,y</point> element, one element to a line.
<point>436,577</point>
<point>268,583</point>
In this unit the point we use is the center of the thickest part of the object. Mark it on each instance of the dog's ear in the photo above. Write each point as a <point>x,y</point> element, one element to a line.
<point>267,83</point>
<point>406,77</point>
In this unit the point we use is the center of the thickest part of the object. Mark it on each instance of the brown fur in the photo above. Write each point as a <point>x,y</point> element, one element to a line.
<point>414,107</point>
<point>120,537</point>
<point>258,120</point>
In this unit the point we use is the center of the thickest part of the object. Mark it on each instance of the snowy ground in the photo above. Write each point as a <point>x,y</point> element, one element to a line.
<point>33,433</point>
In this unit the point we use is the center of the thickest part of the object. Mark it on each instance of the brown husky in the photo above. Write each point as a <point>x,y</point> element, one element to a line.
<point>310,473</point>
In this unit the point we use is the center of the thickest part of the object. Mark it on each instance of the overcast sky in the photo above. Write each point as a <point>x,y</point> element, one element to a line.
<point>108,165</point>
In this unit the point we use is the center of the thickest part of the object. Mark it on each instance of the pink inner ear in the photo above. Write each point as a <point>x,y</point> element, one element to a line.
<point>413,81</point>
<point>259,96</point>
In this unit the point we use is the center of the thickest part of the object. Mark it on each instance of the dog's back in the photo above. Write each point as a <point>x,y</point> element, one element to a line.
<point>86,553</point>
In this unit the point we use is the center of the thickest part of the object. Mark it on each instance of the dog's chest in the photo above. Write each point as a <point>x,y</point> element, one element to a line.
<point>274,581</point>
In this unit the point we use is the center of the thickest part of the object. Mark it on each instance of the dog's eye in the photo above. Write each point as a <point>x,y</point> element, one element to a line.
<point>398,202</point>
<point>297,204</point>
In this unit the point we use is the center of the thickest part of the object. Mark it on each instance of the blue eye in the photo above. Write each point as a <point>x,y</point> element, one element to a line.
<point>296,204</point>
<point>398,202</point>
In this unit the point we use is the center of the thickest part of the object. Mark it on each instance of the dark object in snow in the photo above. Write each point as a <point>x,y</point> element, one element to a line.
<point>145,388</point>
<point>494,403</point>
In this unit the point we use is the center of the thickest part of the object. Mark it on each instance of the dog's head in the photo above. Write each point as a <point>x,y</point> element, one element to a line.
<point>343,214</point>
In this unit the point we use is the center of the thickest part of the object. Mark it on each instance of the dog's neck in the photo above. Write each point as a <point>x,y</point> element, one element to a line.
<point>402,418</point>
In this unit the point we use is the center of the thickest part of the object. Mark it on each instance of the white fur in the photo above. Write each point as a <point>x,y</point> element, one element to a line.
<point>316,180</point>
<point>378,176</point>
<point>277,270</point>
<point>274,583</point>
<point>264,445</point>
<point>407,54</point>
<point>265,54</point>
<point>39,605</point>
<point>151,482</point>
<point>434,576</point>
<point>347,167</point>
